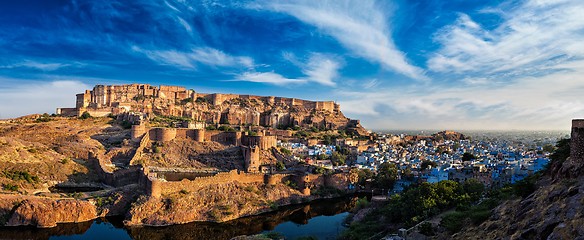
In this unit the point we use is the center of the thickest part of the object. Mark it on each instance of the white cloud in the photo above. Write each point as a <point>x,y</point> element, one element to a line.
<point>535,35</point>
<point>268,77</point>
<point>20,97</point>
<point>202,55</point>
<point>318,68</point>
<point>361,26</point>
<point>321,69</point>
<point>547,102</point>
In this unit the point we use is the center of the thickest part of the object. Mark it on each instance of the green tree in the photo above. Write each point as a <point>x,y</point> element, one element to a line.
<point>338,158</point>
<point>474,189</point>
<point>386,175</point>
<point>365,174</point>
<point>426,164</point>
<point>548,148</point>
<point>468,157</point>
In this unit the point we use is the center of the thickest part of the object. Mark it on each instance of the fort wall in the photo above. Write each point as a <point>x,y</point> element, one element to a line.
<point>169,134</point>
<point>144,142</point>
<point>156,186</point>
<point>577,141</point>
<point>263,142</point>
<point>67,112</point>
<point>137,132</point>
<point>122,177</point>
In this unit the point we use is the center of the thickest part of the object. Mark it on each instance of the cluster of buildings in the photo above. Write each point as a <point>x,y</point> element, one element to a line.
<point>492,161</point>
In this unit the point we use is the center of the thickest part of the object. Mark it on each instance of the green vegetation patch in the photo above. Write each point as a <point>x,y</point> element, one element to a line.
<point>20,176</point>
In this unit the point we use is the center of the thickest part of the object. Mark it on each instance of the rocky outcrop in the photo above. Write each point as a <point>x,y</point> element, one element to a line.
<point>46,213</point>
<point>216,203</point>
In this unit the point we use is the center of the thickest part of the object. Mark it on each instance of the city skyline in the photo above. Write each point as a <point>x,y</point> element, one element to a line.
<point>497,65</point>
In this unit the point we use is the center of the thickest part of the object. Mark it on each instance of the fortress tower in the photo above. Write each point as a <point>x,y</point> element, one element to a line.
<point>577,140</point>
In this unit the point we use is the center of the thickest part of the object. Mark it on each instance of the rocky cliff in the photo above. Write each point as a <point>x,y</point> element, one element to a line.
<point>217,203</point>
<point>43,213</point>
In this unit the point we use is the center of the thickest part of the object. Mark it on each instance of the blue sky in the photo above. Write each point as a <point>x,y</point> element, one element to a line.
<point>403,64</point>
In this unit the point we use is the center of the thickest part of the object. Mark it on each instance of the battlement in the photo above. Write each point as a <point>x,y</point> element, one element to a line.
<point>577,123</point>
<point>219,98</point>
<point>577,140</point>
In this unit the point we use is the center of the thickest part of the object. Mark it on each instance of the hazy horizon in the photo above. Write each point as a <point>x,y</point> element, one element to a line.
<point>501,65</point>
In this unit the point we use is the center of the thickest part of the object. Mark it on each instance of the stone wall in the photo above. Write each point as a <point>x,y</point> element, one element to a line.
<point>167,187</point>
<point>122,177</point>
<point>67,112</point>
<point>577,140</point>
<point>226,138</point>
<point>168,134</point>
<point>144,142</point>
<point>156,186</point>
<point>137,132</point>
<point>263,142</point>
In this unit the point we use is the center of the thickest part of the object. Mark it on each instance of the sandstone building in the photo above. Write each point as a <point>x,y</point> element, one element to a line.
<point>213,108</point>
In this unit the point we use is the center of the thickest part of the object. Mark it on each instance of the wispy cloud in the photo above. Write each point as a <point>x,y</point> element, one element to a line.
<point>534,38</point>
<point>268,77</point>
<point>43,66</point>
<point>318,67</point>
<point>202,55</point>
<point>546,102</point>
<point>321,69</point>
<point>361,26</point>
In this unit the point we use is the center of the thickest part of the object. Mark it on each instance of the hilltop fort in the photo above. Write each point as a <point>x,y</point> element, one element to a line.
<point>215,108</point>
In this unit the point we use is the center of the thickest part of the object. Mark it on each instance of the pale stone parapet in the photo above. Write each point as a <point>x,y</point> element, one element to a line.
<point>578,123</point>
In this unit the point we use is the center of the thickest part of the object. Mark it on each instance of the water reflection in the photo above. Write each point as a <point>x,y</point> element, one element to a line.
<point>298,214</point>
<point>112,228</point>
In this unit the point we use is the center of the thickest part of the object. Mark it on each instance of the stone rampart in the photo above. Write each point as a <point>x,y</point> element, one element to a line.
<point>226,138</point>
<point>67,112</point>
<point>263,142</point>
<point>145,141</point>
<point>162,134</point>
<point>167,187</point>
<point>577,141</point>
<point>118,178</point>
<point>137,132</point>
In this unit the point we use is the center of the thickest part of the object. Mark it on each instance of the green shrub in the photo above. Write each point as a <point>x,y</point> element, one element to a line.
<point>274,235</point>
<point>126,124</point>
<point>273,205</point>
<point>20,175</point>
<point>427,229</point>
<point>157,149</point>
<point>285,151</point>
<point>453,222</point>
<point>10,187</point>
<point>85,115</point>
<point>361,203</point>
<point>526,186</point>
